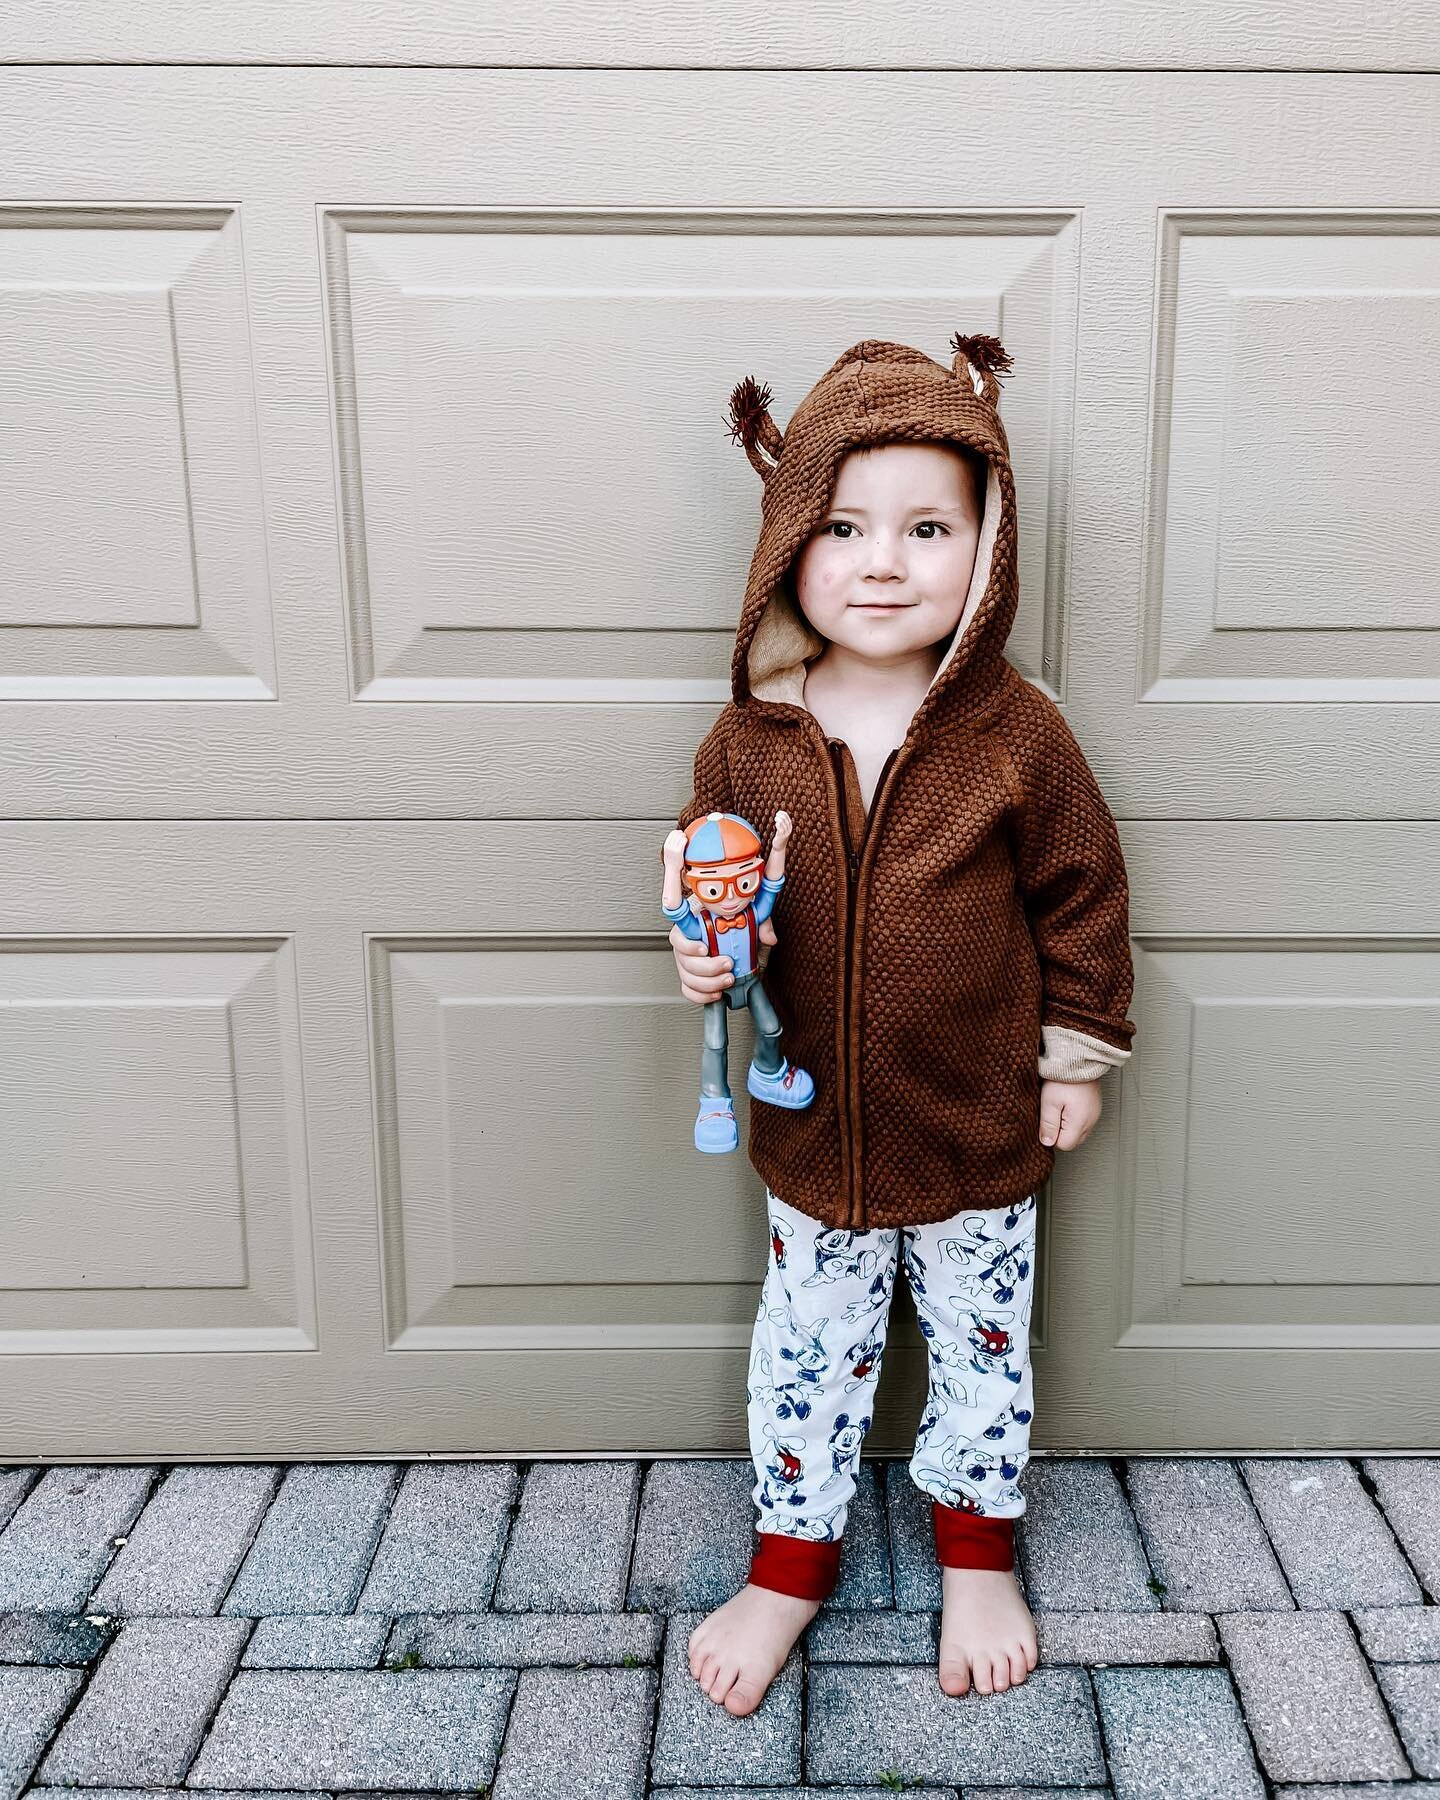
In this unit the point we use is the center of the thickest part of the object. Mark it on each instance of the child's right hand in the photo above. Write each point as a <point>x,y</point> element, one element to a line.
<point>704,977</point>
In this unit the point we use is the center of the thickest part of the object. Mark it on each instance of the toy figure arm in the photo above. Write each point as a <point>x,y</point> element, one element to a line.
<point>764,903</point>
<point>1071,878</point>
<point>682,916</point>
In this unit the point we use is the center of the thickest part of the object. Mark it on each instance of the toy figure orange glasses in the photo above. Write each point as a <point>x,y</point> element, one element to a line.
<point>715,889</point>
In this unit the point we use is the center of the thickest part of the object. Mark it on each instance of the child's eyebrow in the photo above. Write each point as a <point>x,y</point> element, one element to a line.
<point>908,513</point>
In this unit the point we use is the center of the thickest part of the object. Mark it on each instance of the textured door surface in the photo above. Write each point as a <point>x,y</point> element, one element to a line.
<point>372,549</point>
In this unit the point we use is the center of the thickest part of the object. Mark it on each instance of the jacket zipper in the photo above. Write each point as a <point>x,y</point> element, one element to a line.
<point>854,855</point>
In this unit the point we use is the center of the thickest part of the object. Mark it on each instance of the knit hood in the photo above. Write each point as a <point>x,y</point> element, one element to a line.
<point>876,392</point>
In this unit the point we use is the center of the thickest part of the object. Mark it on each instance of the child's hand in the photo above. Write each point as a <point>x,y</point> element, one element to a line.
<point>704,977</point>
<point>1068,1112</point>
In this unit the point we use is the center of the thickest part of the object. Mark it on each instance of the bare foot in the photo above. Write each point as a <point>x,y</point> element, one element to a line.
<point>986,1631</point>
<point>741,1647</point>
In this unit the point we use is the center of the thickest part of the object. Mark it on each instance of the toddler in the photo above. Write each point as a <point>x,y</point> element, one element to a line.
<point>952,967</point>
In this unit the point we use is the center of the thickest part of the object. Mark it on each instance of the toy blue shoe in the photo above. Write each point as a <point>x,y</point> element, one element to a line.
<point>715,1127</point>
<point>785,1086</point>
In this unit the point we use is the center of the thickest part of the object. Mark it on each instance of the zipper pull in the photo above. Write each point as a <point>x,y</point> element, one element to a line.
<point>854,864</point>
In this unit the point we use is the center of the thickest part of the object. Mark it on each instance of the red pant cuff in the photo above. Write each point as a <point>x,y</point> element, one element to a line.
<point>792,1565</point>
<point>972,1540</point>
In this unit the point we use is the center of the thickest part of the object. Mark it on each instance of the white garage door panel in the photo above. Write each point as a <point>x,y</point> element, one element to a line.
<point>427,648</point>
<point>1248,1210</point>
<point>156,1195</point>
<point>376,541</point>
<point>818,34</point>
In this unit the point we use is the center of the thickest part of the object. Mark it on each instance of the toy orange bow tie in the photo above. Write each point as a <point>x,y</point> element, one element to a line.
<point>735,924</point>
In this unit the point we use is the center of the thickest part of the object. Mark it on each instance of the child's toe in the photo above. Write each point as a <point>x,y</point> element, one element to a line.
<point>722,1681</point>
<point>954,1678</point>
<point>744,1697</point>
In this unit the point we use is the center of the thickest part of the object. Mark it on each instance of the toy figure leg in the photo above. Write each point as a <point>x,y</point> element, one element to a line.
<point>814,1362</point>
<point>714,1062</point>
<point>767,1029</point>
<point>973,1281</point>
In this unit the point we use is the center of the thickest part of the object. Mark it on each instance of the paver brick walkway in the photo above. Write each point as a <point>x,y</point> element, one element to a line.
<point>1209,1629</point>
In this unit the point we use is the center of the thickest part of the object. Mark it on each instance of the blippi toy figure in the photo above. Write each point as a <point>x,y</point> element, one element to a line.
<point>720,859</point>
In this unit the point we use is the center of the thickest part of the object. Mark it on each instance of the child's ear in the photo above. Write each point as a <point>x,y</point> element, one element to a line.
<point>751,425</point>
<point>981,360</point>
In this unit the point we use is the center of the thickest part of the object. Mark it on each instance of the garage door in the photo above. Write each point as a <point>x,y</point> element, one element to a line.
<point>372,552</point>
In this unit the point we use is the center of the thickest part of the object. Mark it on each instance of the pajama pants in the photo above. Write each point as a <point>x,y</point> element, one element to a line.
<point>815,1361</point>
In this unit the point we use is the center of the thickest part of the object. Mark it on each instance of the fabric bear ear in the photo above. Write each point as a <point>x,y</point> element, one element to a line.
<point>983,361</point>
<point>751,425</point>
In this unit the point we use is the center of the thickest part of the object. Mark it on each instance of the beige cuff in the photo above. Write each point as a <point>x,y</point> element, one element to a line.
<point>1076,1056</point>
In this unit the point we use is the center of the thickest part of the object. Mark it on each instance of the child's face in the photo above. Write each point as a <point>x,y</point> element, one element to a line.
<point>888,568</point>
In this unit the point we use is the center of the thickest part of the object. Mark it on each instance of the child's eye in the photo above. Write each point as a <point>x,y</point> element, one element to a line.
<point>838,525</point>
<point>936,523</point>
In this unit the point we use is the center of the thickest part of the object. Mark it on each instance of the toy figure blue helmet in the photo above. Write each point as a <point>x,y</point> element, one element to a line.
<point>720,837</point>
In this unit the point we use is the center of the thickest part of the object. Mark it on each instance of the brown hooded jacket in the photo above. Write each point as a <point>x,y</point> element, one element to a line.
<point>969,938</point>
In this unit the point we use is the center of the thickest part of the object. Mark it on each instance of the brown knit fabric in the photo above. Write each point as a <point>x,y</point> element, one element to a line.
<point>991,894</point>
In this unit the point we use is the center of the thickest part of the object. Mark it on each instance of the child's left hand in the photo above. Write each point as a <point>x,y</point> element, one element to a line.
<point>1068,1111</point>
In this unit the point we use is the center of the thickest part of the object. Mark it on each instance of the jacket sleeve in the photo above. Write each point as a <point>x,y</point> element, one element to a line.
<point>712,775</point>
<point>1070,874</point>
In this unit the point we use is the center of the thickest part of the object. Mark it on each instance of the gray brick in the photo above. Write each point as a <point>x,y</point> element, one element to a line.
<point>1077,1540</point>
<point>1175,1734</point>
<point>870,1637</point>
<point>864,1579</point>
<point>519,1641</point>
<point>357,1729</point>
<point>182,1553</point>
<point>1098,1638</point>
<point>694,1535</point>
<point>912,1542</point>
<point>569,1550</point>
<point>441,1549</point>
<point>567,1722</point>
<point>315,1543</point>
<point>1360,1790</point>
<point>15,1484</point>
<point>1409,1490</point>
<point>1203,1538</point>
<point>1413,1690</point>
<point>298,1642</point>
<point>699,1741</point>
<point>1400,1633</point>
<point>59,1541</point>
<point>862,1721</point>
<point>31,1703</point>
<point>176,1793</point>
<point>56,1639</point>
<point>1030,1793</point>
<point>1309,1700</point>
<point>1332,1542</point>
<point>140,1721</point>
<point>805,1793</point>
